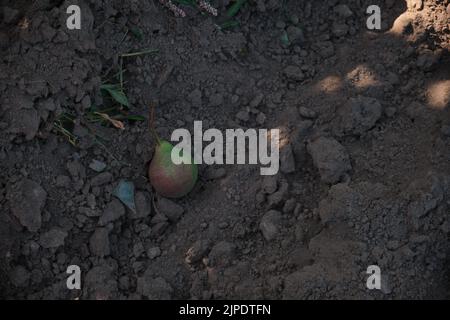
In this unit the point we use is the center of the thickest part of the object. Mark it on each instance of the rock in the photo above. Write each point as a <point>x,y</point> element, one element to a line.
<point>330,158</point>
<point>196,98</point>
<point>97,166</point>
<point>243,115</point>
<point>307,113</point>
<point>101,179</point>
<point>293,73</point>
<point>53,238</point>
<point>261,118</point>
<point>170,209</point>
<point>197,252</point>
<point>113,211</point>
<point>100,283</point>
<point>339,29</point>
<point>62,181</point>
<point>222,254</point>
<point>19,276</point>
<point>287,161</point>
<point>295,35</point>
<point>143,205</point>
<point>445,129</point>
<point>154,288</point>
<point>390,112</point>
<point>428,59</point>
<point>324,48</point>
<point>99,242</point>
<point>27,203</point>
<point>289,206</point>
<point>343,11</point>
<point>153,253</point>
<point>359,115</point>
<point>270,224</point>
<point>269,184</point>
<point>138,249</point>
<point>301,257</point>
<point>275,199</point>
<point>256,101</point>
<point>341,204</point>
<point>216,100</point>
<point>10,15</point>
<point>24,121</point>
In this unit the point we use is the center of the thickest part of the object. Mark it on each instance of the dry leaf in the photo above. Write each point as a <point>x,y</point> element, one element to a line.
<point>116,123</point>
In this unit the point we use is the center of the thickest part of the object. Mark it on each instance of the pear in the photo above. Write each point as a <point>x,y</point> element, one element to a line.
<point>172,180</point>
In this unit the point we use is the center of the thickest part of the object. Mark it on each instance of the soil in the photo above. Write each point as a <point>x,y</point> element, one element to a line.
<point>365,158</point>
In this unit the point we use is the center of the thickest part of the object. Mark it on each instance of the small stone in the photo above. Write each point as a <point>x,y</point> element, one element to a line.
<point>97,166</point>
<point>330,158</point>
<point>154,288</point>
<point>62,181</point>
<point>10,15</point>
<point>343,11</point>
<point>243,115</point>
<point>359,115</point>
<point>101,179</point>
<point>295,35</point>
<point>99,242</point>
<point>19,276</point>
<point>307,113</point>
<point>287,161</point>
<point>289,206</point>
<point>170,209</point>
<point>222,254</point>
<point>256,100</point>
<point>261,118</point>
<point>143,205</point>
<point>216,100</point>
<point>390,112</point>
<point>294,73</point>
<point>113,211</point>
<point>27,203</point>
<point>138,249</point>
<point>153,253</point>
<point>53,238</point>
<point>269,184</point>
<point>270,224</point>
<point>445,129</point>
<point>196,98</point>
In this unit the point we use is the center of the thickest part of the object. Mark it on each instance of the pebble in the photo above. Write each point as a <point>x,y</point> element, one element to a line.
<point>170,209</point>
<point>99,242</point>
<point>113,211</point>
<point>27,202</point>
<point>101,179</point>
<point>97,166</point>
<point>53,238</point>
<point>270,224</point>
<point>330,158</point>
<point>153,253</point>
<point>307,113</point>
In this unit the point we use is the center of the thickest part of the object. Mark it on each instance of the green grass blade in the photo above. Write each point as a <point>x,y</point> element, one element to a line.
<point>234,9</point>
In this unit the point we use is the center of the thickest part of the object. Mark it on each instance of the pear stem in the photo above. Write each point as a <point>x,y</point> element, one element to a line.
<point>151,124</point>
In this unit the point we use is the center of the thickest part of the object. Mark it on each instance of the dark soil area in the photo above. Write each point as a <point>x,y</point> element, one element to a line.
<point>365,159</point>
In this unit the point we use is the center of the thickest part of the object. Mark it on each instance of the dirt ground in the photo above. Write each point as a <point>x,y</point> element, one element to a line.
<point>365,162</point>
